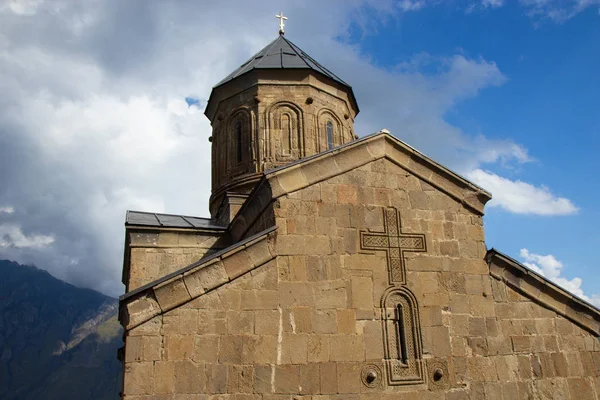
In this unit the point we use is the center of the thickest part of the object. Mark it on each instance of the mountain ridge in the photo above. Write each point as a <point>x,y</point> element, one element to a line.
<point>57,341</point>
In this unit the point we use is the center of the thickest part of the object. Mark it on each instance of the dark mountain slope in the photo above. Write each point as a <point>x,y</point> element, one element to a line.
<point>56,340</point>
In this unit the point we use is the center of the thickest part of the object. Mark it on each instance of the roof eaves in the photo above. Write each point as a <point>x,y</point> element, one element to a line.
<point>247,66</point>
<point>528,282</point>
<point>315,64</point>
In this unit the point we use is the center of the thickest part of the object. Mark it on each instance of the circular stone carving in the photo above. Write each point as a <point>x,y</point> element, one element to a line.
<point>309,100</point>
<point>438,373</point>
<point>346,116</point>
<point>371,375</point>
<point>256,99</point>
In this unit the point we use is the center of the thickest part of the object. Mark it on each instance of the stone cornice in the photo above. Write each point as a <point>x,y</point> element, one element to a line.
<point>543,292</point>
<point>256,78</point>
<point>179,287</point>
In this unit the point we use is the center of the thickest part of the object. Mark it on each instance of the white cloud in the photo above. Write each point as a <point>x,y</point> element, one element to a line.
<point>557,10</point>
<point>411,5</point>
<point>13,236</point>
<point>6,210</point>
<point>521,197</point>
<point>21,7</point>
<point>492,3</point>
<point>551,268</point>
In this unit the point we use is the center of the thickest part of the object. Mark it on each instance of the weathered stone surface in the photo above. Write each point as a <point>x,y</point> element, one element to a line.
<point>139,310</point>
<point>171,293</point>
<point>140,376</point>
<point>204,278</point>
<point>164,377</point>
<point>237,262</point>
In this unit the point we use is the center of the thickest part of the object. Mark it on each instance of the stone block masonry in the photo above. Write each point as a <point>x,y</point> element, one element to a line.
<point>311,324</point>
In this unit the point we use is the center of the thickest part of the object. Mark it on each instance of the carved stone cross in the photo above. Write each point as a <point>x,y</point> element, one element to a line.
<point>394,243</point>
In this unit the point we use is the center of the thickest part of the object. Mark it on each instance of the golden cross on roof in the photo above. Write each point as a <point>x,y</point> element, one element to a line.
<point>281,24</point>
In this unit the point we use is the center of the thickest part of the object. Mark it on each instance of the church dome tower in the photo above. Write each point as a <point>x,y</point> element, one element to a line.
<point>279,106</point>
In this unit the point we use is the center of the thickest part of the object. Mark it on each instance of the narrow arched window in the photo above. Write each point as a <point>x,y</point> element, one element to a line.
<point>329,129</point>
<point>238,131</point>
<point>402,337</point>
<point>286,130</point>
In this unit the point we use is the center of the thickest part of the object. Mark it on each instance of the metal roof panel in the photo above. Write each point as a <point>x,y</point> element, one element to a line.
<point>170,221</point>
<point>281,53</point>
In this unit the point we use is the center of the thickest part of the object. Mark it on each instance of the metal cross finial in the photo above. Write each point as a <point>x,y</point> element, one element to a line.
<point>281,24</point>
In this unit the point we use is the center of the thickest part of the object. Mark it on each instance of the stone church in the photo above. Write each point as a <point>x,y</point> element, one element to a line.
<point>335,267</point>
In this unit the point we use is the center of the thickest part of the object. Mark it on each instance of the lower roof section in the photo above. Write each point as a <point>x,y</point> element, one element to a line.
<point>196,279</point>
<point>543,291</point>
<point>141,218</point>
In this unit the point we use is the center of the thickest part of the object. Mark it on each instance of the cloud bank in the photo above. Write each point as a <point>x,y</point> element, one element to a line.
<point>521,197</point>
<point>557,10</point>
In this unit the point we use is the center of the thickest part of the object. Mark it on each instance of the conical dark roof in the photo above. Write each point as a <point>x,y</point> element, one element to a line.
<point>281,54</point>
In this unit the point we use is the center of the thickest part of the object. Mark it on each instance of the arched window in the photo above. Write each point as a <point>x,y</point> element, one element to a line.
<point>238,131</point>
<point>402,335</point>
<point>286,133</point>
<point>329,129</point>
<point>237,141</point>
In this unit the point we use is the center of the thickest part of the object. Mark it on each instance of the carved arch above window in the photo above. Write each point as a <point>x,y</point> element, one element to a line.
<point>330,130</point>
<point>285,136</point>
<point>403,347</point>
<point>238,140</point>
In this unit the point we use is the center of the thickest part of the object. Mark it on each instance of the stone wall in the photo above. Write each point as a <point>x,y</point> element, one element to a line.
<point>154,253</point>
<point>314,323</point>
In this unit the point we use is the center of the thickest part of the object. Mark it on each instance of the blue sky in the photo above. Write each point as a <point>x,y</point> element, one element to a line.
<point>102,112</point>
<point>548,104</point>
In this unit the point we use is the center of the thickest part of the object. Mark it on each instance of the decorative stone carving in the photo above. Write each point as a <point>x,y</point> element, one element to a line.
<point>438,373</point>
<point>330,130</point>
<point>371,375</point>
<point>400,312</point>
<point>239,128</point>
<point>285,131</point>
<point>394,243</point>
<point>402,337</point>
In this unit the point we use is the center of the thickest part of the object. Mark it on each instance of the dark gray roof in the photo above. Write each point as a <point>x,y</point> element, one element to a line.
<point>170,221</point>
<point>281,54</point>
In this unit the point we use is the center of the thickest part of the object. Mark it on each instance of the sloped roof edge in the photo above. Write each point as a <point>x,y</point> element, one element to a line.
<point>291,177</point>
<point>179,287</point>
<point>281,53</point>
<point>543,291</point>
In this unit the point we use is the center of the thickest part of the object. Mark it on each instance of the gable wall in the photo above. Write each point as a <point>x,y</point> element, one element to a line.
<point>307,323</point>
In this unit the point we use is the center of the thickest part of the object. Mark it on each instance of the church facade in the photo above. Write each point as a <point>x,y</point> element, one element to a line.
<point>336,268</point>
